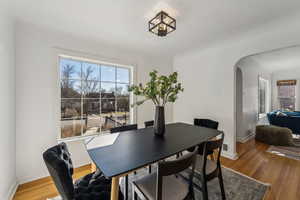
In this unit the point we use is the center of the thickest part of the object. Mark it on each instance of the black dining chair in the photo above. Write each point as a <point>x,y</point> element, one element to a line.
<point>164,184</point>
<point>207,169</point>
<point>93,186</point>
<point>207,123</point>
<point>149,123</point>
<point>122,129</point>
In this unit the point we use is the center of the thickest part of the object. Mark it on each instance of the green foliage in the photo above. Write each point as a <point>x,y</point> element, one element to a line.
<point>160,89</point>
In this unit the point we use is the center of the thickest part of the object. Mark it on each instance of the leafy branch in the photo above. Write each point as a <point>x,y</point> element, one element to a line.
<point>160,89</point>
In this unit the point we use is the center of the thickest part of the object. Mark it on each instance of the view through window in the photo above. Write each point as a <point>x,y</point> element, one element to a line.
<point>287,94</point>
<point>94,97</point>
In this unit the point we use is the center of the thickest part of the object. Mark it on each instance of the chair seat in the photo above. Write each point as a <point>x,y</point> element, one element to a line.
<point>93,186</point>
<point>173,188</point>
<point>210,165</point>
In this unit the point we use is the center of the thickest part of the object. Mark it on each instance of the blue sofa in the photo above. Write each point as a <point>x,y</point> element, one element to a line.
<point>291,120</point>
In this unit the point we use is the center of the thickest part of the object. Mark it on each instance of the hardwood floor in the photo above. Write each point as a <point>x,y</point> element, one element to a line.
<point>44,188</point>
<point>283,174</point>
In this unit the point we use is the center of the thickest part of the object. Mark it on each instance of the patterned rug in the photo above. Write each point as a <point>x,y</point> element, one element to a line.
<point>288,152</point>
<point>237,186</point>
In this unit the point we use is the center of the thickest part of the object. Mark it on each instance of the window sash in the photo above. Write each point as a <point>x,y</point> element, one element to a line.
<point>286,94</point>
<point>119,101</point>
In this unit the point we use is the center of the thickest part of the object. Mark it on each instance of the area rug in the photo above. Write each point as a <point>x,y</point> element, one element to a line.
<point>237,186</point>
<point>288,152</point>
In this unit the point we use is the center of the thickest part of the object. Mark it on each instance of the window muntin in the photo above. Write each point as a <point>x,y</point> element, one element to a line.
<point>94,97</point>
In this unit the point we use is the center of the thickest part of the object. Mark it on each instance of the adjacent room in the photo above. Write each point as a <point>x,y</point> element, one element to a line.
<point>162,99</point>
<point>267,91</point>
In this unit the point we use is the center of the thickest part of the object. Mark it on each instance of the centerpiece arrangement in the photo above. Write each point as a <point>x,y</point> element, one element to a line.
<point>160,90</point>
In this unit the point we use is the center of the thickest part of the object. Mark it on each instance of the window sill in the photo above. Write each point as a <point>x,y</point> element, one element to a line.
<point>83,137</point>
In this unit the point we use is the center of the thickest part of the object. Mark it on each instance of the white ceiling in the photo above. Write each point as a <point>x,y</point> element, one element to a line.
<point>279,60</point>
<point>124,22</point>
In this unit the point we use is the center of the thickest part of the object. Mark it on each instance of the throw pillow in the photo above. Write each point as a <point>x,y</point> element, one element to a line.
<point>281,114</point>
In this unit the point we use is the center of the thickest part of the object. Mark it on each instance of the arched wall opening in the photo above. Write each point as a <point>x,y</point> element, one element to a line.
<point>271,66</point>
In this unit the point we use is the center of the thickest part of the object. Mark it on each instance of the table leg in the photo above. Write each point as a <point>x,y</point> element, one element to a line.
<point>114,194</point>
<point>126,187</point>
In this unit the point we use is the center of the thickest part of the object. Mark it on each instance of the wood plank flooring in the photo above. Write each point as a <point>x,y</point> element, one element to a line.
<point>282,173</point>
<point>44,188</point>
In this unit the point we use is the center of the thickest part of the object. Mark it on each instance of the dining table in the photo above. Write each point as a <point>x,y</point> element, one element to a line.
<point>135,149</point>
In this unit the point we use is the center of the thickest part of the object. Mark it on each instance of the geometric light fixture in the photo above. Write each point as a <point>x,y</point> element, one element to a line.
<point>162,24</point>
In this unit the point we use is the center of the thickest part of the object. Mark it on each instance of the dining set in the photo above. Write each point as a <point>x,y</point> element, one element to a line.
<point>172,162</point>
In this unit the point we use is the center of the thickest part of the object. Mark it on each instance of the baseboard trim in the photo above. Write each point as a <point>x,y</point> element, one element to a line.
<point>229,155</point>
<point>246,139</point>
<point>12,190</point>
<point>48,179</point>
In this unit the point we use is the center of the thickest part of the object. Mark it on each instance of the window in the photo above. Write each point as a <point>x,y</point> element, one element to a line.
<point>263,96</point>
<point>286,94</point>
<point>94,97</point>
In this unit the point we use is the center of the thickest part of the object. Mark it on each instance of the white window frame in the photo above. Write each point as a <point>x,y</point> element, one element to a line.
<point>283,97</point>
<point>267,97</point>
<point>95,61</point>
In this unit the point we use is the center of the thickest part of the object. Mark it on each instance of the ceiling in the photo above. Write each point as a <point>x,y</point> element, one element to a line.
<point>278,60</point>
<point>124,22</point>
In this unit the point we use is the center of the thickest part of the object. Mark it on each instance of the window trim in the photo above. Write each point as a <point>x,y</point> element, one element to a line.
<point>292,83</point>
<point>267,99</point>
<point>132,111</point>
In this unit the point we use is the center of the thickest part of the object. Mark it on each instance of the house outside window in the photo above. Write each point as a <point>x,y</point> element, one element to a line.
<point>286,90</point>
<point>94,97</point>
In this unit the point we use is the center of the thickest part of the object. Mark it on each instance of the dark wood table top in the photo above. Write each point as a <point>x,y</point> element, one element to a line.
<point>139,148</point>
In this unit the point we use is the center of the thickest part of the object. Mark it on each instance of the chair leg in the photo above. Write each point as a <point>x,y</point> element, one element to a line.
<point>192,193</point>
<point>204,190</point>
<point>149,169</point>
<point>221,185</point>
<point>134,195</point>
<point>126,187</point>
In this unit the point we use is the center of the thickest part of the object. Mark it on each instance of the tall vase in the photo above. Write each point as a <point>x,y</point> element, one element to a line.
<point>159,122</point>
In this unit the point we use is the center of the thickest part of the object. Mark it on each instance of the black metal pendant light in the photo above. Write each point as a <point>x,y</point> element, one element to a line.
<point>162,24</point>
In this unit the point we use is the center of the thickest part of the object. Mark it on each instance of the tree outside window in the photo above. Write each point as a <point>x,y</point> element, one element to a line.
<point>94,97</point>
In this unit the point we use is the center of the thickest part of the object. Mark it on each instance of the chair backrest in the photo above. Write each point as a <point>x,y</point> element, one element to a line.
<point>167,168</point>
<point>149,123</point>
<point>208,123</point>
<point>60,167</point>
<point>210,146</point>
<point>123,128</point>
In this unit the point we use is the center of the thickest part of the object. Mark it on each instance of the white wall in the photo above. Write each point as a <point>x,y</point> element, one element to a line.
<point>208,74</point>
<point>239,101</point>
<point>251,70</point>
<point>7,102</point>
<point>285,75</point>
<point>38,91</point>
